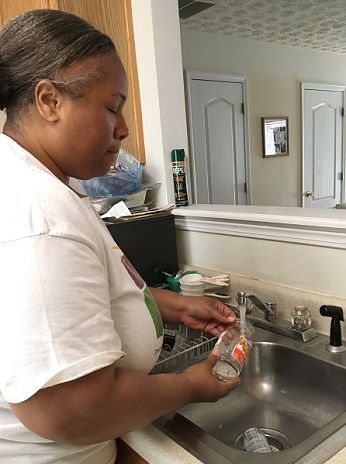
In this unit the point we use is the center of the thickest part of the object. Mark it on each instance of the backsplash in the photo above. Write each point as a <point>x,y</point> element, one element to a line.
<point>286,297</point>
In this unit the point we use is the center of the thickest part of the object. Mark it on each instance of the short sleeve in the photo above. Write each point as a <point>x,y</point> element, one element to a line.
<point>55,319</point>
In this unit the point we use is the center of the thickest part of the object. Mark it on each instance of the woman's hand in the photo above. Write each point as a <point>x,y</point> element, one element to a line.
<point>206,386</point>
<point>198,312</point>
<point>207,315</point>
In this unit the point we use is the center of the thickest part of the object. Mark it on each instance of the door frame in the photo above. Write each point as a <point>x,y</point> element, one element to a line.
<point>207,76</point>
<point>330,88</point>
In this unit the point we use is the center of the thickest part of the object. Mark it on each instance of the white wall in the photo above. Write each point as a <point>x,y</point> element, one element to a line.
<point>274,75</point>
<point>299,266</point>
<point>296,260</point>
<point>157,38</point>
<point>290,274</point>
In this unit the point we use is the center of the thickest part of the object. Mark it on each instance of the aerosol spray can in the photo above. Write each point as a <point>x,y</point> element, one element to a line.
<point>179,177</point>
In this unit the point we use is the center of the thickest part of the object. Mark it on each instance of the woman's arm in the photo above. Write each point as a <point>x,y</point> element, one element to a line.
<point>202,313</point>
<point>112,401</point>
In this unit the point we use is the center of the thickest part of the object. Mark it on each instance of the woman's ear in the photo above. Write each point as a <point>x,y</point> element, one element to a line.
<point>48,100</point>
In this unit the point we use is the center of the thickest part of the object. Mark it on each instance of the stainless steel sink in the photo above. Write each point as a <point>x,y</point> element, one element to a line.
<point>294,392</point>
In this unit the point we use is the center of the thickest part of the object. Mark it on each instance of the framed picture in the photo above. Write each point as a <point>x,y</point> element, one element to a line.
<point>275,136</point>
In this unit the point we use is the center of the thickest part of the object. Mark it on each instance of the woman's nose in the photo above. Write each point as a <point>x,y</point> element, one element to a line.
<point>121,131</point>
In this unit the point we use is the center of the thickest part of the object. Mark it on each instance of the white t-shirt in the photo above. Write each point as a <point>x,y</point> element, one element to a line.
<point>70,301</point>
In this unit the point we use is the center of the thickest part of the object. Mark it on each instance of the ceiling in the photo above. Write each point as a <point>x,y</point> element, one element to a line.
<point>316,24</point>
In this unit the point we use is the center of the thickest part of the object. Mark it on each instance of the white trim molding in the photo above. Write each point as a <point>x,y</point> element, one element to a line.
<point>324,228</point>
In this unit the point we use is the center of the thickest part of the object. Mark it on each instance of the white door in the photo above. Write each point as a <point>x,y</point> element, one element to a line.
<point>217,139</point>
<point>322,145</point>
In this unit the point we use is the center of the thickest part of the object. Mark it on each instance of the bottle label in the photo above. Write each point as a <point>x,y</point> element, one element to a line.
<point>178,169</point>
<point>255,441</point>
<point>241,350</point>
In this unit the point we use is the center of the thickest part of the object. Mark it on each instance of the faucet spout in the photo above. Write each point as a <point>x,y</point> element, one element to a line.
<point>270,321</point>
<point>269,309</point>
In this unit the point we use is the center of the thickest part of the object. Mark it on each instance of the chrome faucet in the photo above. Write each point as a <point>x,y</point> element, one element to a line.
<point>269,309</point>
<point>271,322</point>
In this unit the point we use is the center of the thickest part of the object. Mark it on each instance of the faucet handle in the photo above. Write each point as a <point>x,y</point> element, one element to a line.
<point>269,309</point>
<point>273,306</point>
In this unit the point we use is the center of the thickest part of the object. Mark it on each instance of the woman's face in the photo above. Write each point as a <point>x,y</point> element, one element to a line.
<point>90,128</point>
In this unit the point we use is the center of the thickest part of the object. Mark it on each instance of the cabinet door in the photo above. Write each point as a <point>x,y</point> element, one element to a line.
<point>114,18</point>
<point>126,455</point>
<point>10,8</point>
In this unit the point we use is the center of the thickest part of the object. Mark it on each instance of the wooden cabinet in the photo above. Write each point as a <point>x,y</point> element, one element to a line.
<point>10,8</point>
<point>114,18</point>
<point>126,455</point>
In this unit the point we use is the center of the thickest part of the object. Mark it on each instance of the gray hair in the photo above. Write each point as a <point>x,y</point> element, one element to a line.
<point>41,44</point>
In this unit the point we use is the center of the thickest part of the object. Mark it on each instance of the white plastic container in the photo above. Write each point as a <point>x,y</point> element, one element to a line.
<point>190,284</point>
<point>191,279</point>
<point>192,289</point>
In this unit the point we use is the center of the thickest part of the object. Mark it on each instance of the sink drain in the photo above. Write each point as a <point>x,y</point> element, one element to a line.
<point>277,440</point>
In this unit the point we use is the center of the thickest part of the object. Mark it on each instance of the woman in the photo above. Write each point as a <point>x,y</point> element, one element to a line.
<point>79,328</point>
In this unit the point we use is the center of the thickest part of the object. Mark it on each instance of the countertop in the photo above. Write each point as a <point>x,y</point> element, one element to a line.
<point>156,448</point>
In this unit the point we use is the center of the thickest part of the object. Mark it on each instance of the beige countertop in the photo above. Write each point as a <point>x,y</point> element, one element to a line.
<point>339,458</point>
<point>156,448</point>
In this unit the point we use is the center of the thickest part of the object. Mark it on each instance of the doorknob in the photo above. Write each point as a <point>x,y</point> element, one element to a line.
<point>309,194</point>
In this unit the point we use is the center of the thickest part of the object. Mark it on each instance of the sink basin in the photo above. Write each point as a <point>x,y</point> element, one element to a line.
<point>294,392</point>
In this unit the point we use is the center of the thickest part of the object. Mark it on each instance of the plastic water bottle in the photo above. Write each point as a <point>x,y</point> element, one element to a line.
<point>234,345</point>
<point>255,441</point>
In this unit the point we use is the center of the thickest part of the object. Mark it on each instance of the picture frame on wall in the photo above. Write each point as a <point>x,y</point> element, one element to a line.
<point>275,136</point>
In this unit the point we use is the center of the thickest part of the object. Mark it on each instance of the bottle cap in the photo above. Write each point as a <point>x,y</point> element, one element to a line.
<point>178,154</point>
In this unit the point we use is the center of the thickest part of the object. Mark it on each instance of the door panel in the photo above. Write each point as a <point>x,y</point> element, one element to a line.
<point>322,148</point>
<point>217,141</point>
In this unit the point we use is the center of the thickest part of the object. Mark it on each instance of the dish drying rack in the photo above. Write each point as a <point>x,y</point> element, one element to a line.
<point>197,345</point>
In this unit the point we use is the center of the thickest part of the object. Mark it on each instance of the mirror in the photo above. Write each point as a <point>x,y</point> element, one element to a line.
<point>277,48</point>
